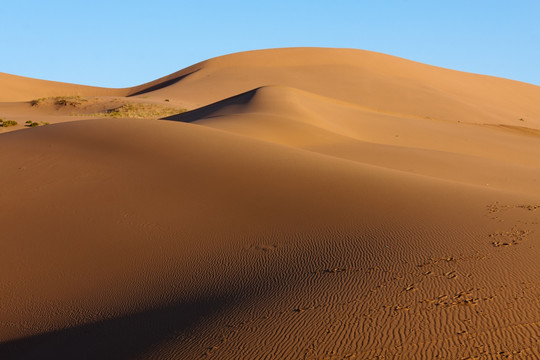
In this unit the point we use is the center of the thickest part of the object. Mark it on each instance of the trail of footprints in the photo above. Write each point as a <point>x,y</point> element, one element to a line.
<point>462,298</point>
<point>435,267</point>
<point>511,237</point>
<point>516,234</point>
<point>432,267</point>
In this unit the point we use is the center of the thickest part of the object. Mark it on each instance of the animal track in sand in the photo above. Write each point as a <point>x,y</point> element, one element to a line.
<point>498,207</point>
<point>507,238</point>
<point>529,207</point>
<point>515,235</point>
<point>264,247</point>
<point>430,262</point>
<point>431,286</point>
<point>461,298</point>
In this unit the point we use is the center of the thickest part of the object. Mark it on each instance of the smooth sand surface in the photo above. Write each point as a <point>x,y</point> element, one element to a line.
<point>313,204</point>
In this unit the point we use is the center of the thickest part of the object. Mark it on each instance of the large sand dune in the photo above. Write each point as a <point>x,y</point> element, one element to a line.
<point>314,204</point>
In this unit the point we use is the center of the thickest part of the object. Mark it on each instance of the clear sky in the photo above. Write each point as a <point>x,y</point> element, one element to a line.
<point>124,43</point>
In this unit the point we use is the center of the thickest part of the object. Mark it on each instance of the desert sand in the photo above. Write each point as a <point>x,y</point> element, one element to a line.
<point>300,203</point>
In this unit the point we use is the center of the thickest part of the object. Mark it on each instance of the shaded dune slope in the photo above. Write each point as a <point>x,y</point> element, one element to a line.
<point>320,203</point>
<point>272,243</point>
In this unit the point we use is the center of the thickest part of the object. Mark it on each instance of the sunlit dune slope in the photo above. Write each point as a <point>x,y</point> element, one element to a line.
<point>377,81</point>
<point>371,108</point>
<point>480,154</point>
<point>18,88</point>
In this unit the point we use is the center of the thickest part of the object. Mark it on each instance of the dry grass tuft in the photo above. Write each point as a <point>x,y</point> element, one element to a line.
<point>59,101</point>
<point>137,110</point>
<point>7,123</point>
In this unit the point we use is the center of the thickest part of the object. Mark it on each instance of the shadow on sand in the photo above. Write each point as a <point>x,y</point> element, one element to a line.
<point>208,110</point>
<point>162,85</point>
<point>116,338</point>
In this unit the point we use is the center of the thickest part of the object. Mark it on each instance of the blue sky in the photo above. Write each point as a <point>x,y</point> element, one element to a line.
<point>124,43</point>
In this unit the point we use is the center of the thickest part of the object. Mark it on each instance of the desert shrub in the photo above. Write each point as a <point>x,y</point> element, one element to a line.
<point>59,100</point>
<point>30,123</point>
<point>36,102</point>
<point>137,110</point>
<point>68,100</point>
<point>7,123</point>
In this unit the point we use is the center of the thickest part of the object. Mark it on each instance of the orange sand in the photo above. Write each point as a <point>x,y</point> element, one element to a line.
<point>314,204</point>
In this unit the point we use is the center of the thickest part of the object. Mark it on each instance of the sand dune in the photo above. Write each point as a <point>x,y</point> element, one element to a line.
<point>19,88</point>
<point>464,152</point>
<point>377,81</point>
<point>314,204</point>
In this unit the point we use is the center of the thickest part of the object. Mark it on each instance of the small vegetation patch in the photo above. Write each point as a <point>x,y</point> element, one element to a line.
<point>136,110</point>
<point>106,107</point>
<point>59,101</point>
<point>7,123</point>
<point>37,102</point>
<point>30,123</point>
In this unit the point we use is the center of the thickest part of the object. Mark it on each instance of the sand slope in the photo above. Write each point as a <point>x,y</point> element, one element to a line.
<point>479,154</point>
<point>327,204</point>
<point>377,81</point>
<point>18,88</point>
